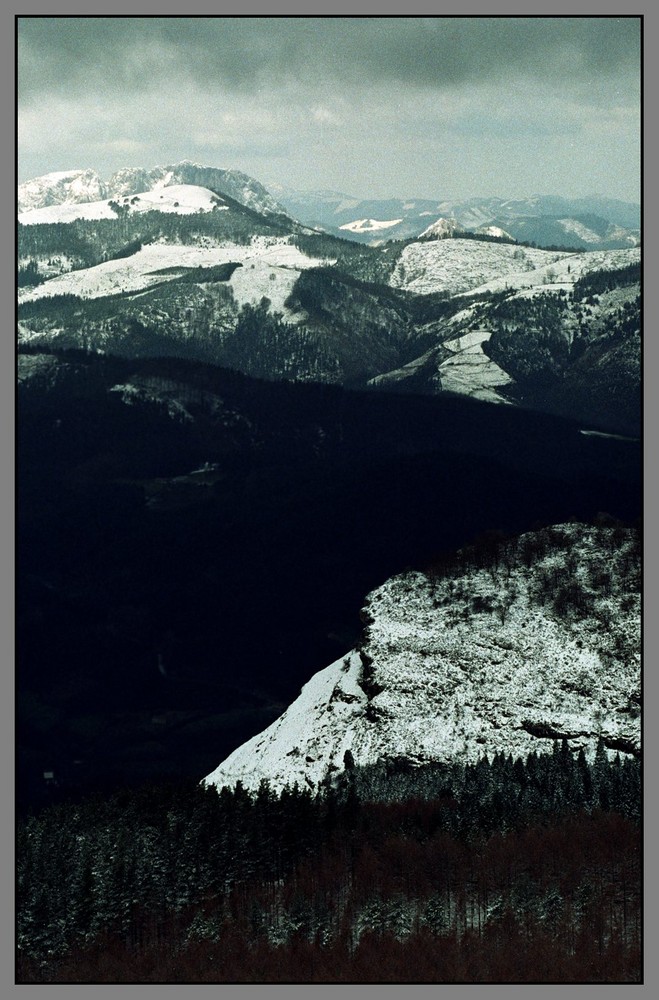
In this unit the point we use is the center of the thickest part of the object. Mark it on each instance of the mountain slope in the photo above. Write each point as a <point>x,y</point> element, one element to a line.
<point>457,266</point>
<point>180,198</point>
<point>501,652</point>
<point>563,335</point>
<point>233,526</point>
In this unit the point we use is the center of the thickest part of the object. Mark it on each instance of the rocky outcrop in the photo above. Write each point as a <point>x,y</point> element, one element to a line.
<point>515,645</point>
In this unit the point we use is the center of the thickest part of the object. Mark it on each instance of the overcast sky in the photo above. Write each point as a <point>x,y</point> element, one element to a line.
<point>382,107</point>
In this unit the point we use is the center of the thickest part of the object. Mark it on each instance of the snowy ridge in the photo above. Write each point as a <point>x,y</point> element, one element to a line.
<point>469,266</point>
<point>494,231</point>
<point>369,225</point>
<point>561,270</point>
<point>271,266</point>
<point>456,265</point>
<point>498,659</point>
<point>309,740</point>
<point>62,187</point>
<point>183,199</point>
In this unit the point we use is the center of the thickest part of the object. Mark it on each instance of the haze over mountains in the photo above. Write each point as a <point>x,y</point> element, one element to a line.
<point>588,223</point>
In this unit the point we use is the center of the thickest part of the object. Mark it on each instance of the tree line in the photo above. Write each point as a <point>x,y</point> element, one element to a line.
<point>503,856</point>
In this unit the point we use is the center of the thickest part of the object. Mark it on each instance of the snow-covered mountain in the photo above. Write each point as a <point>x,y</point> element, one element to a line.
<point>512,647</point>
<point>440,229</point>
<point>84,186</point>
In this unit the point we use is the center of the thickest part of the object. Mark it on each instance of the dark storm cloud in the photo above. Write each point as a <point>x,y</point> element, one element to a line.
<point>372,106</point>
<point>58,54</point>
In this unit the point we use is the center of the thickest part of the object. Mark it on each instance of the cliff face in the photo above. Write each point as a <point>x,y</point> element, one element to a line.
<point>507,648</point>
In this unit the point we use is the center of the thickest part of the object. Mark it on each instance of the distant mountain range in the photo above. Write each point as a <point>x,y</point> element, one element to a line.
<point>594,223</point>
<point>591,223</point>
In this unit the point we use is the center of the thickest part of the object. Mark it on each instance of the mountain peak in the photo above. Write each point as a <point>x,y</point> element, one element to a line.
<point>85,186</point>
<point>61,187</point>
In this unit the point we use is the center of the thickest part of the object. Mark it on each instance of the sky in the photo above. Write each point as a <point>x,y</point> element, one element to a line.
<point>423,107</point>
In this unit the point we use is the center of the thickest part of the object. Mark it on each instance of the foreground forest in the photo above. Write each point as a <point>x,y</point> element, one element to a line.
<point>502,871</point>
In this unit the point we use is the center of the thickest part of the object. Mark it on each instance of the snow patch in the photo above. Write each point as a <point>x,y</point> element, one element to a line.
<point>369,225</point>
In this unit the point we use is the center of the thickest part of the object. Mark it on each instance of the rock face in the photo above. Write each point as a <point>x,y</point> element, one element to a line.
<point>509,648</point>
<point>65,187</point>
<point>243,188</point>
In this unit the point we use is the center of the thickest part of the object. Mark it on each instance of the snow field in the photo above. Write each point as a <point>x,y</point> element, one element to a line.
<point>269,255</point>
<point>182,199</point>
<point>469,371</point>
<point>369,225</point>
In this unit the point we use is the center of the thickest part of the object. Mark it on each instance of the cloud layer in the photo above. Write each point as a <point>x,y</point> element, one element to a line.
<point>383,106</point>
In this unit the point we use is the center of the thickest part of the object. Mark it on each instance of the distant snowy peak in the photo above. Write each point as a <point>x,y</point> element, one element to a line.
<point>64,187</point>
<point>237,185</point>
<point>495,231</point>
<point>440,229</point>
<point>497,654</point>
<point>369,225</point>
<point>85,186</point>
